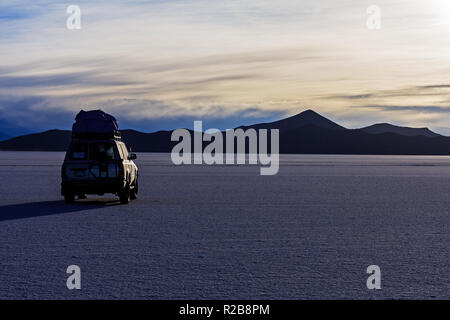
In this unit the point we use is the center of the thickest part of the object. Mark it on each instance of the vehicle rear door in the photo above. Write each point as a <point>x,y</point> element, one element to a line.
<point>102,161</point>
<point>77,163</point>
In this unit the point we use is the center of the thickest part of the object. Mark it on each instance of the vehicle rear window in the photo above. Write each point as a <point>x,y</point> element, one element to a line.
<point>101,151</point>
<point>78,151</point>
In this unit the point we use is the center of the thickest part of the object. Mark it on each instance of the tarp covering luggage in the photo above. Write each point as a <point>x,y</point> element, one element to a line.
<point>95,122</point>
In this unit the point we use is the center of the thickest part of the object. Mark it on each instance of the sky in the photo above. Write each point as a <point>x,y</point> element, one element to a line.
<point>163,64</point>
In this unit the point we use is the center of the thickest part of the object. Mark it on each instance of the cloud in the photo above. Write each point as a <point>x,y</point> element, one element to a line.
<point>57,80</point>
<point>28,114</point>
<point>436,86</point>
<point>426,109</point>
<point>190,86</point>
<point>351,97</point>
<point>152,115</point>
<point>434,90</point>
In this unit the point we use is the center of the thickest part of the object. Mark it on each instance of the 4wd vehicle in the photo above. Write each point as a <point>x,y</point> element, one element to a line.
<point>98,163</point>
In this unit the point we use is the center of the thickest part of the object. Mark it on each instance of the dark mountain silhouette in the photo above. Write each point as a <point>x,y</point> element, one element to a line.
<point>404,131</point>
<point>148,142</point>
<point>51,140</point>
<point>308,117</point>
<point>307,132</point>
<point>314,140</point>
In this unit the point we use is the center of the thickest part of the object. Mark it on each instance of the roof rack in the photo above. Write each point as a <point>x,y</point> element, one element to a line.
<point>97,135</point>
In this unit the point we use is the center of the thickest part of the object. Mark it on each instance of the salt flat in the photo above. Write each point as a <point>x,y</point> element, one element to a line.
<point>225,232</point>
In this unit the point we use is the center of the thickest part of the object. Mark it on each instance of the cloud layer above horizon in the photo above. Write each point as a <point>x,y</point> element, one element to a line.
<point>161,64</point>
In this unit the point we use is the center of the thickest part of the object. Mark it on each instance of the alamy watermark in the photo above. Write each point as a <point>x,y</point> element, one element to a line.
<point>374,280</point>
<point>74,280</point>
<point>256,142</point>
<point>73,22</point>
<point>374,17</point>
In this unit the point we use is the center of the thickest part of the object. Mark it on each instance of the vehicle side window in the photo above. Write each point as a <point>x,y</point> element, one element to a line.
<point>101,151</point>
<point>78,151</point>
<point>124,151</point>
<point>119,149</point>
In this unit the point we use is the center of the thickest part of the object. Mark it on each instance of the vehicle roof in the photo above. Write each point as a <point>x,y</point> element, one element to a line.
<point>96,140</point>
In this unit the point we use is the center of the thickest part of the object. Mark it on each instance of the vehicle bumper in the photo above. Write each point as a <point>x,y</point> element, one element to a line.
<point>92,187</point>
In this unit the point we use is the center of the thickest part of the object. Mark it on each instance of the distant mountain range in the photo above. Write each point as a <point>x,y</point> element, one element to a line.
<point>403,131</point>
<point>306,132</point>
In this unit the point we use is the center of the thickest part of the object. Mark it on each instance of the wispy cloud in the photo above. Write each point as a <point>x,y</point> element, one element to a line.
<point>436,91</point>
<point>33,113</point>
<point>427,109</point>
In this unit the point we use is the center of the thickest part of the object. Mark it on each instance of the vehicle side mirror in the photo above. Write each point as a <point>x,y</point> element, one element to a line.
<point>132,156</point>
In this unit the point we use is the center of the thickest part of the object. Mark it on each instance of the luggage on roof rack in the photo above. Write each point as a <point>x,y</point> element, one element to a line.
<point>98,136</point>
<point>95,124</point>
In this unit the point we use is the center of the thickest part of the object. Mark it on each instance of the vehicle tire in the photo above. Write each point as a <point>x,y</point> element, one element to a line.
<point>69,197</point>
<point>134,191</point>
<point>81,196</point>
<point>125,195</point>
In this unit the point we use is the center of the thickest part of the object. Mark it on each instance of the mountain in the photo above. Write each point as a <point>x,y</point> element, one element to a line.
<point>51,140</point>
<point>148,142</point>
<point>314,140</point>
<point>59,140</point>
<point>308,117</point>
<point>307,132</point>
<point>403,131</point>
